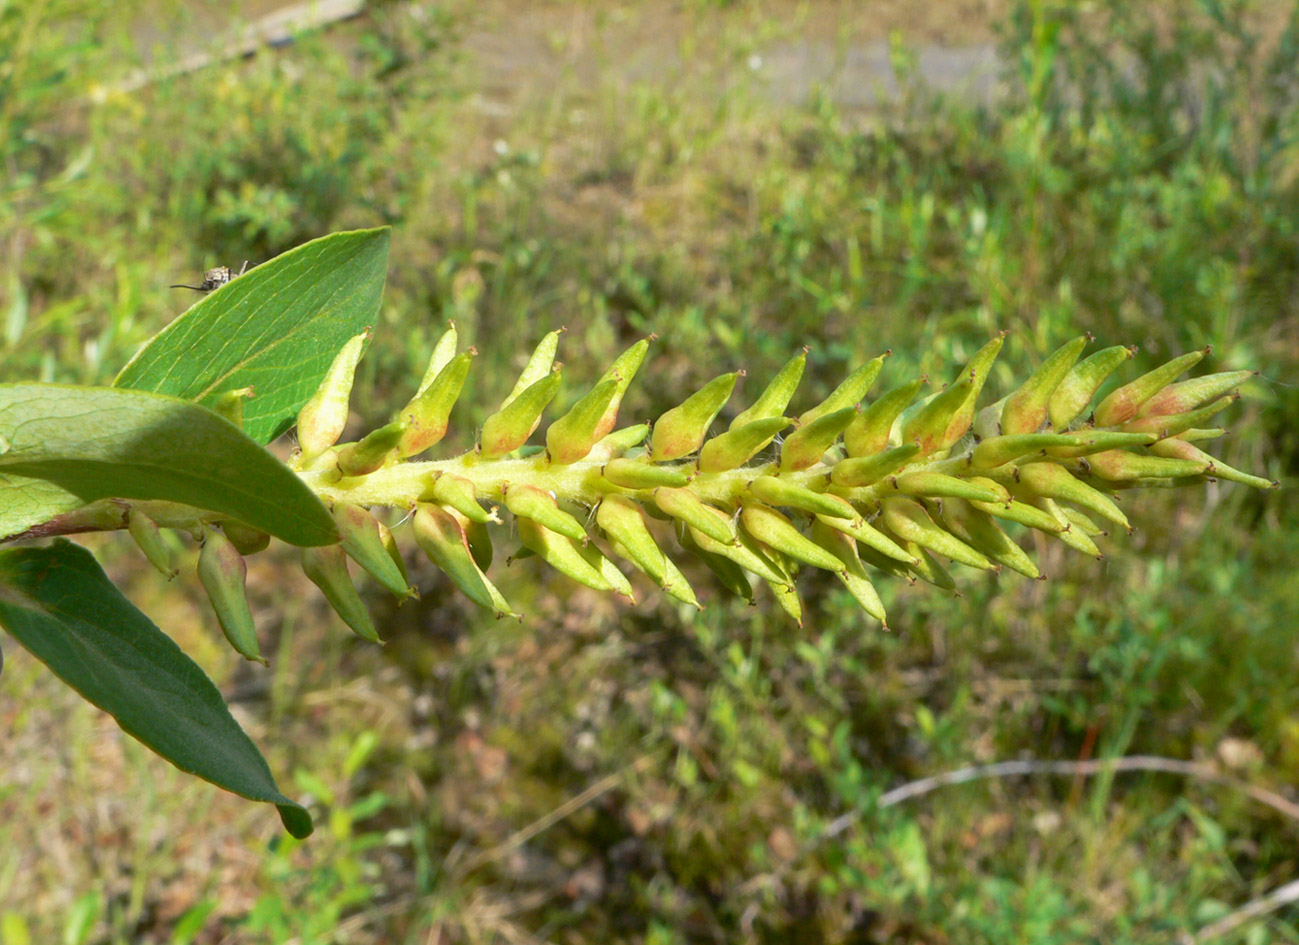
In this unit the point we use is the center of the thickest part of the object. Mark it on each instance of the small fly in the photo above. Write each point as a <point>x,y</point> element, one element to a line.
<point>215,278</point>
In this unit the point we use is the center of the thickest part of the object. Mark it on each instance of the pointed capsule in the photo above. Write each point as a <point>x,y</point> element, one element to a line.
<point>441,536</point>
<point>866,470</point>
<point>980,531</point>
<point>869,431</point>
<point>684,505</point>
<point>682,429</point>
<point>623,371</point>
<point>926,482</point>
<point>847,394</point>
<point>930,569</point>
<point>977,371</point>
<point>620,518</point>
<point>1022,513</point>
<point>148,537</point>
<point>999,450</point>
<point>1087,441</point>
<point>1079,540</point>
<point>322,419</point>
<point>747,553</point>
<point>480,543</point>
<point>733,577</point>
<point>222,571</point>
<point>805,446</point>
<point>738,445</point>
<point>1026,409</point>
<point>618,442</point>
<point>908,520</point>
<point>1185,396</point>
<point>443,352</point>
<point>231,405</point>
<point>869,536</point>
<point>458,493</point>
<point>1122,405</point>
<point>362,540</point>
<point>530,502</point>
<point>1195,435</point>
<point>427,415</point>
<point>1120,466</point>
<point>853,574</point>
<point>782,492</point>
<point>571,437</point>
<point>1055,482</point>
<point>539,367</point>
<point>987,422</point>
<point>561,553</point>
<point>771,528</point>
<point>1172,424</point>
<point>1180,448</point>
<point>1081,522</point>
<point>509,428</point>
<point>786,596</point>
<point>775,398</point>
<point>639,474</point>
<point>1080,385</point>
<point>617,581</point>
<point>246,539</point>
<point>326,567</point>
<point>374,451</point>
<point>927,427</point>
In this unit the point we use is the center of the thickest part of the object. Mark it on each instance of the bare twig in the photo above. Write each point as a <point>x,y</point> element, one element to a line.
<point>1281,896</point>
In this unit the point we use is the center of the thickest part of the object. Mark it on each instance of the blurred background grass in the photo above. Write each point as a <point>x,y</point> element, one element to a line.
<point>743,178</point>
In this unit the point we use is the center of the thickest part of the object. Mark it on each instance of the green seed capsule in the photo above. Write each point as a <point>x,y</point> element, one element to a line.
<point>1179,448</point>
<point>443,352</point>
<point>1188,395</point>
<point>771,528</point>
<point>1120,465</point>
<point>231,405</point>
<point>608,570</point>
<point>682,429</point>
<point>538,368</point>
<point>869,536</point>
<point>853,574</point>
<point>849,393</point>
<point>777,395</point>
<point>480,543</point>
<point>980,531</point>
<point>458,493</point>
<point>246,539</point>
<point>222,571</point>
<point>733,577</point>
<point>736,447</point>
<point>540,506</point>
<point>621,372</point>
<point>322,419</point>
<point>805,446</point>
<point>1080,385</point>
<point>363,541</point>
<point>927,427</point>
<point>775,491</point>
<point>618,442</point>
<point>326,567</point>
<point>571,437</point>
<point>149,538</point>
<point>977,371</point>
<point>684,505</point>
<point>1000,450</point>
<point>1122,405</point>
<point>745,552</point>
<point>924,482</point>
<point>1055,482</point>
<point>426,417</point>
<point>1173,424</point>
<point>1026,410</point>
<point>1079,540</point>
<point>509,428</point>
<point>638,474</point>
<point>620,518</point>
<point>908,520</point>
<point>376,450</point>
<point>869,432</point>
<point>1088,441</point>
<point>561,553</point>
<point>1022,513</point>
<point>787,597</point>
<point>441,536</point>
<point>866,470</point>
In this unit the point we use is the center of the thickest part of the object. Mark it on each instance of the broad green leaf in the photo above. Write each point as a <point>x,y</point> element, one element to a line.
<point>276,329</point>
<point>58,603</point>
<point>65,447</point>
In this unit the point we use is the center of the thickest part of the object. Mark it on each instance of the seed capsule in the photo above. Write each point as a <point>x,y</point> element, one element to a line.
<point>622,372</point>
<point>246,539</point>
<point>376,450</point>
<point>1187,395</point>
<point>682,429</point>
<point>363,541</point>
<point>775,491</point>
<point>908,520</point>
<point>1080,385</point>
<point>924,482</point>
<point>638,474</point>
<point>869,432</point>
<point>736,447</point>
<point>866,470</point>
<point>443,352</point>
<point>539,367</point>
<point>771,528</point>
<point>222,571</point>
<point>1179,448</point>
<point>620,518</point>
<point>927,427</point>
<point>733,577</point>
<point>540,506</point>
<point>571,437</point>
<point>427,415</point>
<point>685,505</point>
<point>853,574</point>
<point>1026,410</point>
<point>1087,441</point>
<point>980,531</point>
<point>618,442</point>
<point>745,552</point>
<point>148,537</point>
<point>1173,424</point>
<point>1055,482</point>
<point>978,369</point>
<point>322,419</point>
<point>1122,405</point>
<point>458,493</point>
<point>869,536</point>
<point>847,394</point>
<point>560,553</point>
<point>777,395</point>
<point>1000,450</point>
<point>326,567</point>
<point>1120,465</point>
<point>805,446</point>
<point>442,537</point>
<point>509,428</point>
